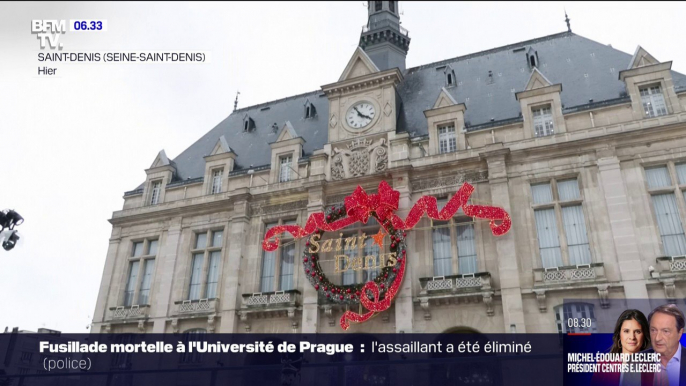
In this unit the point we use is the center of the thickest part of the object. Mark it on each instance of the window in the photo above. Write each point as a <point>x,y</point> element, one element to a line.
<point>575,318</point>
<point>122,360</point>
<point>26,356</point>
<point>450,79</point>
<point>206,256</point>
<point>543,121</point>
<point>454,237</point>
<point>282,258</point>
<point>246,125</point>
<point>310,111</point>
<point>217,181</point>
<point>391,5</point>
<point>193,335</point>
<point>285,168</point>
<point>155,196</point>
<point>365,248</point>
<point>664,196</point>
<point>558,204</point>
<point>377,6</point>
<point>370,249</point>
<point>447,142</point>
<point>140,272</point>
<point>653,101</point>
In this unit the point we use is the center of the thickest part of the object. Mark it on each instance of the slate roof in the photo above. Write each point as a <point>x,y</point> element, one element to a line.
<point>581,65</point>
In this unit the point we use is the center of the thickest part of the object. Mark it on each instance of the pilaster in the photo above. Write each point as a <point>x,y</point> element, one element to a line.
<point>623,233</point>
<point>105,283</point>
<point>404,308</point>
<point>166,263</point>
<point>238,228</point>
<point>310,312</point>
<point>508,267</point>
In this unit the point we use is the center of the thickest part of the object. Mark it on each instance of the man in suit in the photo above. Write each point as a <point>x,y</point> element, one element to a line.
<point>666,327</point>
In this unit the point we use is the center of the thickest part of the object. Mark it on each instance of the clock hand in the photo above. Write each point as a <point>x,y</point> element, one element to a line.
<point>362,115</point>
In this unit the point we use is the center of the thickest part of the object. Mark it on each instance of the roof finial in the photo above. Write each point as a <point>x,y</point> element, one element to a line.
<point>569,27</point>
<point>235,103</point>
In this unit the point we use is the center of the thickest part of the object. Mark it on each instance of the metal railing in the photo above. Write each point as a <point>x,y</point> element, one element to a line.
<point>384,24</point>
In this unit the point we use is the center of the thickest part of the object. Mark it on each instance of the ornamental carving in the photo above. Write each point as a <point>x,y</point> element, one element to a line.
<point>361,157</point>
<point>455,179</point>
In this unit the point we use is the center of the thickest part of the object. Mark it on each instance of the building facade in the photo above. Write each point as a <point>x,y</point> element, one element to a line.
<point>582,144</point>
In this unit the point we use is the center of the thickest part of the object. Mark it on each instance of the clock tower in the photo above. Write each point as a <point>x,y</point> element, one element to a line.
<point>364,103</point>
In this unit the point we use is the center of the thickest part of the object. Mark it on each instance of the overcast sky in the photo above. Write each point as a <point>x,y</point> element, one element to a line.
<point>72,144</point>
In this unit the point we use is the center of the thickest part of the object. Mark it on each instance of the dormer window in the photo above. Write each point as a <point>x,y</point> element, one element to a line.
<point>285,168</point>
<point>310,111</point>
<point>532,58</point>
<point>216,181</point>
<point>447,142</point>
<point>450,79</point>
<point>248,123</point>
<point>653,101</point>
<point>543,121</point>
<point>155,196</point>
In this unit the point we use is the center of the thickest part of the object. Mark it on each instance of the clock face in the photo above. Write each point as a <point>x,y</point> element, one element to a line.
<point>360,115</point>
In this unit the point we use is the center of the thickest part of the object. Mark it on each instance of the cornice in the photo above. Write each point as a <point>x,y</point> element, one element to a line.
<point>555,88</point>
<point>645,70</point>
<point>393,75</point>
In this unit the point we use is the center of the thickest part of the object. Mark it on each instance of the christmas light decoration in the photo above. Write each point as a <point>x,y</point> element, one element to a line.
<point>378,238</point>
<point>376,295</point>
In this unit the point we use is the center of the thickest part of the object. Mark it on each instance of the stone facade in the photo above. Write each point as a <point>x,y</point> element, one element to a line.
<point>606,148</point>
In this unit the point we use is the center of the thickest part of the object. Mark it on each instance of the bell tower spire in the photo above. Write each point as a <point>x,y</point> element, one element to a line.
<point>383,39</point>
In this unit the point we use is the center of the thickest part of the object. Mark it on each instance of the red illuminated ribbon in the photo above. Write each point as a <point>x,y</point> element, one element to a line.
<point>360,205</point>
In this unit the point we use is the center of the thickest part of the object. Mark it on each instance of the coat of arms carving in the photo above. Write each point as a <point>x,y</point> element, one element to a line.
<point>361,157</point>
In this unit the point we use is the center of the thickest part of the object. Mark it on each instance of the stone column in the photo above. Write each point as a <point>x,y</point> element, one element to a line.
<point>231,294</point>
<point>310,314</point>
<point>623,233</point>
<point>404,308</point>
<point>101,306</point>
<point>165,264</point>
<point>508,266</point>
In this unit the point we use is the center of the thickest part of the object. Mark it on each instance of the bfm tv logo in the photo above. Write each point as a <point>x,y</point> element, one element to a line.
<point>48,31</point>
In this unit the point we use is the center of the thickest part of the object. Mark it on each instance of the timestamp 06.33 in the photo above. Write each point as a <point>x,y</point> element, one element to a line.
<point>88,25</point>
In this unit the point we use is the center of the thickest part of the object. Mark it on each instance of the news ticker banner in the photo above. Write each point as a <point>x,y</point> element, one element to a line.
<point>281,359</point>
<point>580,354</point>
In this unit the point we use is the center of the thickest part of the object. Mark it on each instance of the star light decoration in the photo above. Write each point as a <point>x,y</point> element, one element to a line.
<point>378,238</point>
<point>376,296</point>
